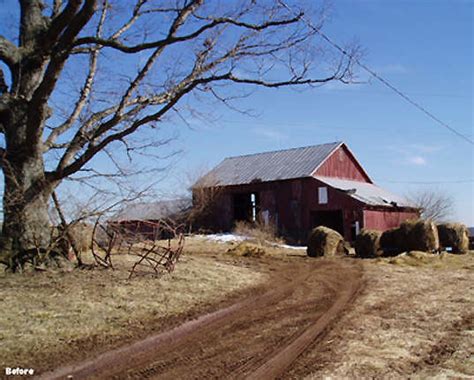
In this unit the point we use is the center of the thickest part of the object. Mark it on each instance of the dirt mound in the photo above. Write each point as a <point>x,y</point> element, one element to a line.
<point>454,235</point>
<point>247,249</point>
<point>367,244</point>
<point>323,241</point>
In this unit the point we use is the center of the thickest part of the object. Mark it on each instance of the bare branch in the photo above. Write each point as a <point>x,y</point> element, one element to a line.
<point>175,39</point>
<point>85,91</point>
<point>53,71</point>
<point>9,53</point>
<point>57,4</point>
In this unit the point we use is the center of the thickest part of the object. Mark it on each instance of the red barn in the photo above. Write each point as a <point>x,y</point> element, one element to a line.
<point>298,189</point>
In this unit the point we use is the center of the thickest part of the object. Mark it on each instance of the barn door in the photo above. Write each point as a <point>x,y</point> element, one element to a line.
<point>246,206</point>
<point>329,218</point>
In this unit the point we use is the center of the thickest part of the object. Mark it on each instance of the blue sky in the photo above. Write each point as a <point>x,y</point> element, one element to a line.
<point>424,48</point>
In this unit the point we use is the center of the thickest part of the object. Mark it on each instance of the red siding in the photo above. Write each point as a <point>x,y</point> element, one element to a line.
<point>384,220</point>
<point>290,205</point>
<point>337,200</point>
<point>342,164</point>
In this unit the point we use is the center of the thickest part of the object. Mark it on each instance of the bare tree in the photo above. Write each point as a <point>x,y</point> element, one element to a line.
<point>435,205</point>
<point>86,80</point>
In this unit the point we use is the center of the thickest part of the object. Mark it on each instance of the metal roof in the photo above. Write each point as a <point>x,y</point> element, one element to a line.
<point>269,166</point>
<point>365,192</point>
<point>153,210</point>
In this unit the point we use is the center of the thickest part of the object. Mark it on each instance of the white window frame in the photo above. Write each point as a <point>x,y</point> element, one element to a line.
<point>322,195</point>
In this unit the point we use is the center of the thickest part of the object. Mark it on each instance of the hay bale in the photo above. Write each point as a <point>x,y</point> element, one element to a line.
<point>420,235</point>
<point>392,242</point>
<point>454,235</point>
<point>247,249</point>
<point>367,244</point>
<point>413,235</point>
<point>323,241</point>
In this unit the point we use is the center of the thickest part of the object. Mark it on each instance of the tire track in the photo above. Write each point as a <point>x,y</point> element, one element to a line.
<point>258,337</point>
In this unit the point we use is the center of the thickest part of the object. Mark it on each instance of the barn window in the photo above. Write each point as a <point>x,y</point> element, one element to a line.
<point>253,202</point>
<point>322,195</point>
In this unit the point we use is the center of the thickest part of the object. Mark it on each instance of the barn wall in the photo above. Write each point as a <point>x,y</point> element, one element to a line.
<point>337,200</point>
<point>291,205</point>
<point>283,200</point>
<point>342,164</point>
<point>382,220</point>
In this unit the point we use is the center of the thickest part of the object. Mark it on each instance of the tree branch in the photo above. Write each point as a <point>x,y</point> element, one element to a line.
<point>85,91</point>
<point>174,39</point>
<point>37,108</point>
<point>9,53</point>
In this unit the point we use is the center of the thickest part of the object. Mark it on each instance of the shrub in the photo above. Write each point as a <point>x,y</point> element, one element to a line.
<point>258,231</point>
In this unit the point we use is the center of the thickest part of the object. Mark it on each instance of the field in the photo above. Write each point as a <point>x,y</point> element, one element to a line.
<point>414,318</point>
<point>396,317</point>
<point>51,318</point>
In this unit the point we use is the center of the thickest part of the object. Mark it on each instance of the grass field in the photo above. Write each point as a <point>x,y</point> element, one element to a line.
<point>413,317</point>
<point>60,314</point>
<point>414,320</point>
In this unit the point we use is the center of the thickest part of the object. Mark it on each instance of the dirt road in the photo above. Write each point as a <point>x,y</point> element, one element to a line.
<point>260,336</point>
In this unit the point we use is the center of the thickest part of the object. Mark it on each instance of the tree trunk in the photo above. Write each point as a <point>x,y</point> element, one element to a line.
<point>26,225</point>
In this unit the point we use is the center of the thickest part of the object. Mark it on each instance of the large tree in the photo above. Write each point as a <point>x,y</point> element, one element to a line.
<point>79,76</point>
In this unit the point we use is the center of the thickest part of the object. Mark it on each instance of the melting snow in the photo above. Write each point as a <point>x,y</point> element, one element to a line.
<point>228,237</point>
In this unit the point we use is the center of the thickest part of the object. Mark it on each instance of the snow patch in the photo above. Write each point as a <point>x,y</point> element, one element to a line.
<point>228,238</point>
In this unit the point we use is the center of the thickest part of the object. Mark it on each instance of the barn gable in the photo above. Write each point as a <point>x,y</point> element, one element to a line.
<point>341,163</point>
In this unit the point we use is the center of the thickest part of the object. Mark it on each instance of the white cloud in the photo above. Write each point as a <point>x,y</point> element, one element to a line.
<point>417,160</point>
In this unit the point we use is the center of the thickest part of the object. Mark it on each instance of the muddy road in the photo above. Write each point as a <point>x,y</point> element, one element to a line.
<point>259,336</point>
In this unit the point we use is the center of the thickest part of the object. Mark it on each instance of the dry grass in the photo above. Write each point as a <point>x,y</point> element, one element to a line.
<point>259,232</point>
<point>246,249</point>
<point>54,315</point>
<point>429,260</point>
<point>411,321</point>
<point>198,245</point>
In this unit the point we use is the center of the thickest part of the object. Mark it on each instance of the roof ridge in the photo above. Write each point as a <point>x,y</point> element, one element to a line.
<point>284,150</point>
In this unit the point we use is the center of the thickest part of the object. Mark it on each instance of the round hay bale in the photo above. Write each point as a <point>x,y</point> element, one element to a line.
<point>392,242</point>
<point>419,235</point>
<point>247,249</point>
<point>455,236</point>
<point>323,241</point>
<point>367,244</point>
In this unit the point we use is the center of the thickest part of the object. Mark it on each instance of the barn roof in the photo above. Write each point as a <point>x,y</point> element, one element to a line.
<point>365,192</point>
<point>153,210</point>
<point>269,166</point>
